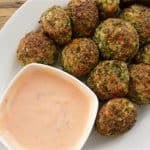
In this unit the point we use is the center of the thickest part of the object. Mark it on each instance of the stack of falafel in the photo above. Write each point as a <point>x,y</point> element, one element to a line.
<point>105,41</point>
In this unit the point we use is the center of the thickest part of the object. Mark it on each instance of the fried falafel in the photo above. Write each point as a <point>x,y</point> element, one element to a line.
<point>117,39</point>
<point>80,56</point>
<point>109,79</point>
<point>139,87</point>
<point>35,47</point>
<point>116,117</point>
<point>139,17</point>
<point>57,24</point>
<point>84,16</point>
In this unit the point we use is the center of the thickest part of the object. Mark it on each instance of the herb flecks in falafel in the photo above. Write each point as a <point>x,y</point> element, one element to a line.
<point>80,56</point>
<point>116,117</point>
<point>139,17</point>
<point>109,79</point>
<point>117,39</point>
<point>84,16</point>
<point>57,24</point>
<point>139,87</point>
<point>108,8</point>
<point>143,56</point>
<point>35,47</point>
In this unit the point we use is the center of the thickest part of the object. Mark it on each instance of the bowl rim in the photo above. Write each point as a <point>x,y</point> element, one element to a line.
<point>93,99</point>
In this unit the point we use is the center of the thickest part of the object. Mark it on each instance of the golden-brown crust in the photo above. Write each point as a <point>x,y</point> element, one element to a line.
<point>117,39</point>
<point>116,117</point>
<point>84,16</point>
<point>109,79</point>
<point>36,47</point>
<point>80,56</point>
<point>139,17</point>
<point>57,24</point>
<point>139,89</point>
<point>108,8</point>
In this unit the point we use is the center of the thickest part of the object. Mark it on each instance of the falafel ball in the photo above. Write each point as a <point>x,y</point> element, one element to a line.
<point>109,79</point>
<point>36,47</point>
<point>139,17</point>
<point>80,56</point>
<point>57,24</point>
<point>116,117</point>
<point>143,56</point>
<point>117,39</point>
<point>139,87</point>
<point>84,16</point>
<point>108,8</point>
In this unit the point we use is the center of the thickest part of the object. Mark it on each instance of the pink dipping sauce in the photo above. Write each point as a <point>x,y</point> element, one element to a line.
<point>44,111</point>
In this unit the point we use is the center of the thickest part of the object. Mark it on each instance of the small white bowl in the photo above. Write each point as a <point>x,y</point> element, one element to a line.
<point>93,99</point>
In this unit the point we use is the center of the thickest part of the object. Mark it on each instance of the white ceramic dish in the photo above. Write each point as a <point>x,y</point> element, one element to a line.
<point>25,20</point>
<point>93,97</point>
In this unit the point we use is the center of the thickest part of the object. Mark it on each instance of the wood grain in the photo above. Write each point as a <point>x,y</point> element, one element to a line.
<point>7,8</point>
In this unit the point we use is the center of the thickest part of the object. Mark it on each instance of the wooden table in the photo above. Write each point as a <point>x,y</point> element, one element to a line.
<point>7,8</point>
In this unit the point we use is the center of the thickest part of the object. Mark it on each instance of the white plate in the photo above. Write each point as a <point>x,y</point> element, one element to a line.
<point>25,20</point>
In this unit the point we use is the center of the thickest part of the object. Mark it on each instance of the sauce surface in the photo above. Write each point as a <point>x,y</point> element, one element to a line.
<point>45,111</point>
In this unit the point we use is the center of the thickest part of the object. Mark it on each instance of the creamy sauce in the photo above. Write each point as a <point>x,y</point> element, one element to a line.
<point>44,111</point>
